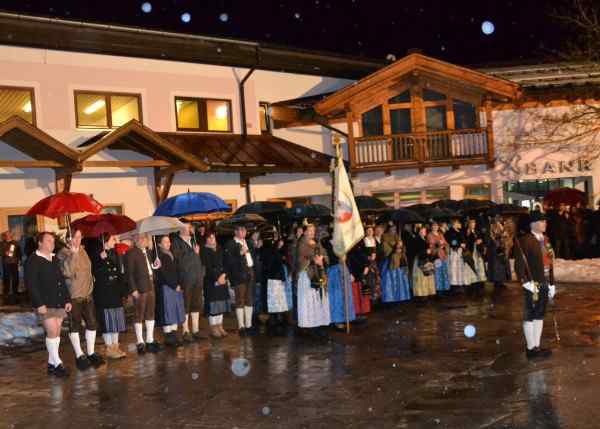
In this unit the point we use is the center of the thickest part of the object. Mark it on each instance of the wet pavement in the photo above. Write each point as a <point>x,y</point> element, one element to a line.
<point>410,367</point>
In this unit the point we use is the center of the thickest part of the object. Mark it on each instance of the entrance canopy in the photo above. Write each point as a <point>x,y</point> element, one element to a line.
<point>45,150</point>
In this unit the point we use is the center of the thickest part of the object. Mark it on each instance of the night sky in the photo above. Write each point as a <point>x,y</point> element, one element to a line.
<point>525,31</point>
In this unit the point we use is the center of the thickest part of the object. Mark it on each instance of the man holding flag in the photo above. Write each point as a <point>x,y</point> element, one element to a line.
<point>347,232</point>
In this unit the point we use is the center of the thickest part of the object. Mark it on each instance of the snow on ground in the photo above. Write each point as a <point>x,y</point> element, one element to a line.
<point>16,328</point>
<point>583,270</point>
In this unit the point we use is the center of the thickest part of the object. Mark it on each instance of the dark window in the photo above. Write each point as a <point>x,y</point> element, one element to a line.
<point>372,122</point>
<point>436,118</point>
<point>400,98</point>
<point>465,115</point>
<point>400,121</point>
<point>200,114</point>
<point>429,95</point>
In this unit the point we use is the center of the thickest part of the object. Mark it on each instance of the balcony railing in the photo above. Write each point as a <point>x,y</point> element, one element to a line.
<point>451,147</point>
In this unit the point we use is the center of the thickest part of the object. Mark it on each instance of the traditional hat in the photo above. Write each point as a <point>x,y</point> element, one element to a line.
<point>536,216</point>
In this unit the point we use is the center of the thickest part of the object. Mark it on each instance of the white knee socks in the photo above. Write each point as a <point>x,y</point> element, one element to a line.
<point>139,335</point>
<point>248,316</point>
<point>219,319</point>
<point>74,337</point>
<point>186,328</point>
<point>115,338</point>
<point>149,331</point>
<point>213,320</point>
<point>90,341</point>
<point>52,345</point>
<point>195,322</point>
<point>108,339</point>
<point>239,313</point>
<point>167,329</point>
<point>528,330</point>
<point>538,327</point>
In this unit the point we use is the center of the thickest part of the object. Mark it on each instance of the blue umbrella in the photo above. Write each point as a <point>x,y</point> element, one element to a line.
<point>191,203</point>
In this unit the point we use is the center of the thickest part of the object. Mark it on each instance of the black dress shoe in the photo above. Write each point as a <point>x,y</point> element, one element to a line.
<point>543,353</point>
<point>250,332</point>
<point>197,336</point>
<point>153,347</point>
<point>141,348</point>
<point>531,353</point>
<point>58,371</point>
<point>170,339</point>
<point>96,360</point>
<point>82,363</point>
<point>242,332</point>
<point>187,338</point>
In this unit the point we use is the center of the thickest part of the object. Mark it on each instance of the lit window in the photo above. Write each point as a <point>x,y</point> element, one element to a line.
<point>478,192</point>
<point>17,102</point>
<point>432,195</point>
<point>102,110</point>
<point>265,119</point>
<point>196,114</point>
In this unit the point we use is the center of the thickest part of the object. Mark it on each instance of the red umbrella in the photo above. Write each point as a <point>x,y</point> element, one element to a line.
<point>65,203</point>
<point>568,196</point>
<point>96,225</point>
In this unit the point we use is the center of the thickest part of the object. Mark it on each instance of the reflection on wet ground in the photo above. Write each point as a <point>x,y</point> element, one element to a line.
<point>409,367</point>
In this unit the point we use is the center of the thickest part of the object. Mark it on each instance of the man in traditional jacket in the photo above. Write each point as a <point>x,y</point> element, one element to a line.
<point>191,272</point>
<point>239,267</point>
<point>140,276</point>
<point>77,271</point>
<point>534,266</point>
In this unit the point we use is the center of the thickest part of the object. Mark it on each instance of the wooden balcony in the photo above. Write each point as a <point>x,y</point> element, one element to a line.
<point>421,150</point>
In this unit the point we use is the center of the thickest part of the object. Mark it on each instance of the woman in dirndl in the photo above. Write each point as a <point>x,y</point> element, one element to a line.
<point>169,293</point>
<point>456,263</point>
<point>476,272</point>
<point>218,299</point>
<point>395,286</point>
<point>440,252</point>
<point>313,297</point>
<point>358,261</point>
<point>424,269</point>
<point>339,286</point>
<point>109,291</point>
<point>278,284</point>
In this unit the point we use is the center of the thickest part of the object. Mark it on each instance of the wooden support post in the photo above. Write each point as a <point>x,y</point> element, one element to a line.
<point>63,178</point>
<point>351,142</point>
<point>419,122</point>
<point>245,183</point>
<point>489,119</point>
<point>162,185</point>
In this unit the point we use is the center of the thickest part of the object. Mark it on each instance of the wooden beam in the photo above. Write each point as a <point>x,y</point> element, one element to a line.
<point>351,142</point>
<point>128,164</point>
<point>62,180</point>
<point>489,118</point>
<point>31,164</point>
<point>161,190</point>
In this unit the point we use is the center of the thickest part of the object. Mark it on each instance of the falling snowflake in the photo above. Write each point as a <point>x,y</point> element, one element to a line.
<point>186,17</point>
<point>146,7</point>
<point>224,17</point>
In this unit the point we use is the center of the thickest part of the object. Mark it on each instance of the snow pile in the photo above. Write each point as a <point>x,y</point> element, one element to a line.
<point>583,270</point>
<point>16,328</point>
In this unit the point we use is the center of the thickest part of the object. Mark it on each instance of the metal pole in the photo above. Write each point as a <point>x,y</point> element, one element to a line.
<point>346,292</point>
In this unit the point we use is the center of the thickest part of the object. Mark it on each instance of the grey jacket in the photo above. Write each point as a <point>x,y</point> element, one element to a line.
<point>189,264</point>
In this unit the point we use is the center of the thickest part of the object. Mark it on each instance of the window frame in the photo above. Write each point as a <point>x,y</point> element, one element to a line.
<point>266,105</point>
<point>32,96</point>
<point>107,100</point>
<point>202,111</point>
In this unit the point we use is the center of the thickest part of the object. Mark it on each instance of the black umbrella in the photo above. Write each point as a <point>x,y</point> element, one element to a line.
<point>262,208</point>
<point>422,209</point>
<point>470,205</point>
<point>507,210</point>
<point>368,204</point>
<point>250,221</point>
<point>448,204</point>
<point>442,214</point>
<point>406,216</point>
<point>308,211</point>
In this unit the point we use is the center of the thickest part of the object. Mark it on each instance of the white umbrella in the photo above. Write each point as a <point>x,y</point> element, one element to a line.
<point>159,225</point>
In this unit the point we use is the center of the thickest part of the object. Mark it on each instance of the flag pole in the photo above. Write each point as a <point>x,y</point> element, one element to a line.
<point>338,159</point>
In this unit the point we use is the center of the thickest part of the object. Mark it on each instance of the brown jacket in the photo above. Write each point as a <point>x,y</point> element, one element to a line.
<point>529,249</point>
<point>137,270</point>
<point>77,269</point>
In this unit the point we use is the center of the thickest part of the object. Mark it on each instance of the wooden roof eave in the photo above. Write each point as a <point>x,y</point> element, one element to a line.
<point>415,63</point>
<point>151,137</point>
<point>62,154</point>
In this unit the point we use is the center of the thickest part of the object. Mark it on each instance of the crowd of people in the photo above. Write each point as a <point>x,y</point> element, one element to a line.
<point>297,279</point>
